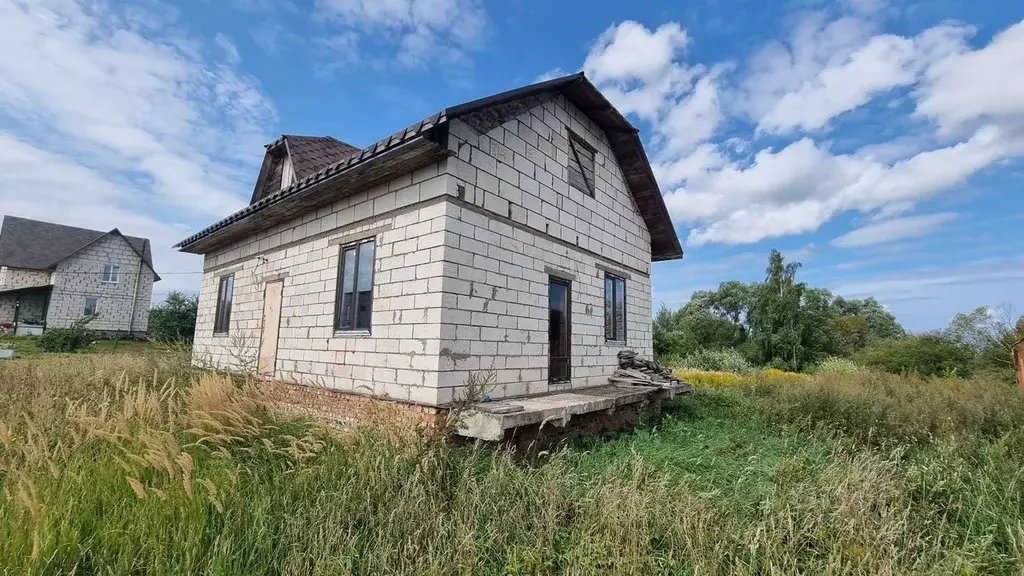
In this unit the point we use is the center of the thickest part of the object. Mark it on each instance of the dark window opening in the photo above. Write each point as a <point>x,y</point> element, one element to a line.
<point>225,295</point>
<point>614,308</point>
<point>90,306</point>
<point>354,306</point>
<point>559,330</point>
<point>581,164</point>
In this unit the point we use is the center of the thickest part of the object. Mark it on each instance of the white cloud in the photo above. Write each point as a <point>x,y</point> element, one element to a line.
<point>781,68</point>
<point>112,117</point>
<point>966,87</point>
<point>799,188</point>
<point>895,229</point>
<point>630,51</point>
<point>879,64</point>
<point>727,193</point>
<point>418,32</point>
<point>637,68</point>
<point>695,118</point>
<point>885,62</point>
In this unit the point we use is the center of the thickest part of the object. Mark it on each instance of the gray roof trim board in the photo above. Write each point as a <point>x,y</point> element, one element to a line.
<point>622,135</point>
<point>38,245</point>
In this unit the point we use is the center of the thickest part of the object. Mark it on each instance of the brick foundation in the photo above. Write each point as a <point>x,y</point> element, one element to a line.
<point>320,402</point>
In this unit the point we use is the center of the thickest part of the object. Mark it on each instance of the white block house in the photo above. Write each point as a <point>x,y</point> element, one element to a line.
<point>52,276</point>
<point>510,236</point>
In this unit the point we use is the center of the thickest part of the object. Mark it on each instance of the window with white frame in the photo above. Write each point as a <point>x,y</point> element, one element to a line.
<point>91,306</point>
<point>111,273</point>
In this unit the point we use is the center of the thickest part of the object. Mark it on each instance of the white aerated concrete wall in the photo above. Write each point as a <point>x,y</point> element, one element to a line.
<point>81,276</point>
<point>465,250</point>
<point>501,266</point>
<point>399,356</point>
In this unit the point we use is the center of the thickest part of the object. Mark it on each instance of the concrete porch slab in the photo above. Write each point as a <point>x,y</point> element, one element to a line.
<point>480,421</point>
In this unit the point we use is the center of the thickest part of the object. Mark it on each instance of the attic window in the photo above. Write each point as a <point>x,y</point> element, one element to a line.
<point>581,164</point>
<point>110,274</point>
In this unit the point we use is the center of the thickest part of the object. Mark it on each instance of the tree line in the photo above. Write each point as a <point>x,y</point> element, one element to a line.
<point>784,323</point>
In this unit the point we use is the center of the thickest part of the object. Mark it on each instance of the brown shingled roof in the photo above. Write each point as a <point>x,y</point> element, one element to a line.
<point>310,154</point>
<point>622,135</point>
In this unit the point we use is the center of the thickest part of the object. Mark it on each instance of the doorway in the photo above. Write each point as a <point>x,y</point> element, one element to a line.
<point>559,329</point>
<point>271,327</point>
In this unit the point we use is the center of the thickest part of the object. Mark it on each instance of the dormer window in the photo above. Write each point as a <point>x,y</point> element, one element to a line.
<point>110,274</point>
<point>581,164</point>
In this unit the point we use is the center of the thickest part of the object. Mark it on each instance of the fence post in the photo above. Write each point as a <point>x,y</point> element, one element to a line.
<point>1018,362</point>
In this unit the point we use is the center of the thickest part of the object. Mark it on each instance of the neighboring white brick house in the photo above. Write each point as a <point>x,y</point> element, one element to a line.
<point>482,218</point>
<point>53,275</point>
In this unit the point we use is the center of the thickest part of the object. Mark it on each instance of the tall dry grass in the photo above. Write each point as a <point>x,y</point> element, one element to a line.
<point>141,465</point>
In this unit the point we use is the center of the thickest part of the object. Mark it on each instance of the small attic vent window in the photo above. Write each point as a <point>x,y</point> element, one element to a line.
<point>581,164</point>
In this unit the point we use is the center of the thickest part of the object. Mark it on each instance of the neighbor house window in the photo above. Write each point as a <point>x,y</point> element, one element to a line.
<point>581,164</point>
<point>354,305</point>
<point>90,306</point>
<point>614,308</point>
<point>225,294</point>
<point>110,273</point>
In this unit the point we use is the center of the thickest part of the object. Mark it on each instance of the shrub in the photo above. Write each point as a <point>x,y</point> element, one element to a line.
<point>926,354</point>
<point>712,379</point>
<point>776,376</point>
<point>836,365</point>
<point>174,319</point>
<point>878,408</point>
<point>727,360</point>
<point>71,339</point>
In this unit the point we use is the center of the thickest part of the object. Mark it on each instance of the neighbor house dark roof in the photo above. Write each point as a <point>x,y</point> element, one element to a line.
<point>424,141</point>
<point>38,245</point>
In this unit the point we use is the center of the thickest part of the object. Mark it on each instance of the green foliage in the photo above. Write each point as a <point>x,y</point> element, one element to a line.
<point>879,323</point>
<point>726,360</point>
<point>989,333</point>
<point>781,322</point>
<point>162,469</point>
<point>836,365</point>
<point>71,339</point>
<point>174,319</point>
<point>925,354</point>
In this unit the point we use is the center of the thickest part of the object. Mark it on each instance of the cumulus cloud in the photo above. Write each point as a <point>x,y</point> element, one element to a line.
<point>107,117</point>
<point>970,86</point>
<point>731,189</point>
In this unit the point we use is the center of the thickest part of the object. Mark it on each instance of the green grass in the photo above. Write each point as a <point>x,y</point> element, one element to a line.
<point>27,347</point>
<point>136,463</point>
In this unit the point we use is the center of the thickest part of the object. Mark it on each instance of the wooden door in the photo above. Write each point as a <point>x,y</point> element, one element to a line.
<point>559,330</point>
<point>271,327</point>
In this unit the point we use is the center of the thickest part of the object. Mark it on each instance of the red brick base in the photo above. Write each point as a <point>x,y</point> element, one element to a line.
<point>322,402</point>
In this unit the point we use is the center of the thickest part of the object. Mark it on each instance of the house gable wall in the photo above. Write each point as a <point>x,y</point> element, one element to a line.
<point>80,276</point>
<point>520,224</point>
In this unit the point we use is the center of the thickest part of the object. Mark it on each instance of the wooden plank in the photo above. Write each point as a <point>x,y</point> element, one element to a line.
<point>271,327</point>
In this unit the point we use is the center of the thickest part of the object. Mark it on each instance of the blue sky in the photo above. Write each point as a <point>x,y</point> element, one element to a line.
<point>878,142</point>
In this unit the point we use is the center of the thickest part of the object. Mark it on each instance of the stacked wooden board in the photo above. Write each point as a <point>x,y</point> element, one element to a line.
<point>636,371</point>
